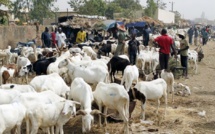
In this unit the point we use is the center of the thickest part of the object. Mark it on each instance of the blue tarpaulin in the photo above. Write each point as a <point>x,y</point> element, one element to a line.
<point>111,23</point>
<point>135,24</point>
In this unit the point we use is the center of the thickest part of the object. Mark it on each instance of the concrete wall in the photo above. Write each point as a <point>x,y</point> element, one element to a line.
<point>11,35</point>
<point>165,16</point>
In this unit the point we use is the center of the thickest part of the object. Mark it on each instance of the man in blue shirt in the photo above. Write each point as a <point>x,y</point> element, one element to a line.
<point>133,48</point>
<point>190,34</point>
<point>146,32</point>
<point>46,38</point>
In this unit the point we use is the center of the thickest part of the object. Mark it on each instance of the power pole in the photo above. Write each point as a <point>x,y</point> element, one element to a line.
<point>172,5</point>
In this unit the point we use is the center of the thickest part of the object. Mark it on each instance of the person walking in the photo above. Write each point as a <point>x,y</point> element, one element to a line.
<point>190,34</point>
<point>204,36</point>
<point>146,32</point>
<point>121,40</point>
<point>165,43</point>
<point>196,35</point>
<point>46,38</point>
<point>133,48</point>
<point>183,51</point>
<point>81,36</point>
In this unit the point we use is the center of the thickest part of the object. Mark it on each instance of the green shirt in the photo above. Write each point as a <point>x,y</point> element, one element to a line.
<point>184,44</point>
<point>121,37</point>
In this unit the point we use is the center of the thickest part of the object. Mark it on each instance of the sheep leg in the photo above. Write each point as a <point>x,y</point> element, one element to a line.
<point>172,93</point>
<point>123,79</point>
<point>57,131</point>
<point>26,78</point>
<point>100,109</point>
<point>165,96</point>
<point>52,130</point>
<point>61,129</point>
<point>142,114</point>
<point>105,113</point>
<point>19,128</point>
<point>158,106</point>
<point>27,126</point>
<point>195,67</point>
<point>125,119</point>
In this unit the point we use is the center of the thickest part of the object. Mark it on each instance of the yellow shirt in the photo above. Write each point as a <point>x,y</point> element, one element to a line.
<point>81,36</point>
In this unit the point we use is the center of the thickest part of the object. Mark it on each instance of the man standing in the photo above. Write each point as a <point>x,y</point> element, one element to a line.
<point>196,35</point>
<point>61,39</point>
<point>190,34</point>
<point>81,36</point>
<point>133,48</point>
<point>46,38</point>
<point>146,32</point>
<point>165,43</point>
<point>53,37</point>
<point>121,40</point>
<point>183,51</point>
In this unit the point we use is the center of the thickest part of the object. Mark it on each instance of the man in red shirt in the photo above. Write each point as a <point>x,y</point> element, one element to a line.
<point>165,43</point>
<point>53,37</point>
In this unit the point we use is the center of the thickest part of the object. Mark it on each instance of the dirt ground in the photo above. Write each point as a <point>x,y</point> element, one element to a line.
<point>182,116</point>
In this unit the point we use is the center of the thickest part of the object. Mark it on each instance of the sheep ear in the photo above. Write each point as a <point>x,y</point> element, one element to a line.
<point>81,112</point>
<point>94,112</point>
<point>77,103</point>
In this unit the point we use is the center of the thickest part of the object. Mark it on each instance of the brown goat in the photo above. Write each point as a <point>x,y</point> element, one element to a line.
<point>6,75</point>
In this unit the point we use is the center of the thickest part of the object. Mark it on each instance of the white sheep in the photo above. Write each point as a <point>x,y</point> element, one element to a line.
<point>193,58</point>
<point>131,73</point>
<point>113,96</point>
<point>51,82</point>
<point>169,78</point>
<point>89,51</point>
<point>152,90</point>
<point>21,88</point>
<point>182,89</point>
<point>53,67</point>
<point>34,105</point>
<point>7,96</point>
<point>82,92</point>
<point>91,74</point>
<point>11,116</point>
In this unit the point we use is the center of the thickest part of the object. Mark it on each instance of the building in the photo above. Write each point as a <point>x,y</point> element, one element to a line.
<point>58,14</point>
<point>166,17</point>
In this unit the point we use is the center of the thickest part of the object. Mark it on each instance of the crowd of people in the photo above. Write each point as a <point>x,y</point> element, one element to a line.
<point>57,38</point>
<point>198,33</point>
<point>164,42</point>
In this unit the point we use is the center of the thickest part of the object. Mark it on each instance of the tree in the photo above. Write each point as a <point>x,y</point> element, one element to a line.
<point>150,8</point>
<point>129,4</point>
<point>76,4</point>
<point>93,7</point>
<point>111,9</point>
<point>161,4</point>
<point>177,16</point>
<point>37,9</point>
<point>5,2</point>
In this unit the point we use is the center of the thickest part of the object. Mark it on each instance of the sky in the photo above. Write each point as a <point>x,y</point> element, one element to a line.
<point>189,9</point>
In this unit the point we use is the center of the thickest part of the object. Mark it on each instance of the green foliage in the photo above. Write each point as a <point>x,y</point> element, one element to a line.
<point>161,4</point>
<point>177,16</point>
<point>150,8</point>
<point>129,4</point>
<point>76,4</point>
<point>111,9</point>
<point>100,7</point>
<point>93,7</point>
<point>5,2</point>
<point>38,9</point>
